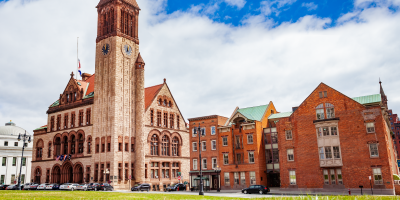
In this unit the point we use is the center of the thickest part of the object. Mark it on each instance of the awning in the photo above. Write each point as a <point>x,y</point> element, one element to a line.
<point>204,178</point>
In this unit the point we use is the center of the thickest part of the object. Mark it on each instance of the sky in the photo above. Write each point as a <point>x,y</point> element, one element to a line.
<point>215,54</point>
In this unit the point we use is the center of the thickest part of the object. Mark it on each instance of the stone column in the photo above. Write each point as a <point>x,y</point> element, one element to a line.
<point>139,124</point>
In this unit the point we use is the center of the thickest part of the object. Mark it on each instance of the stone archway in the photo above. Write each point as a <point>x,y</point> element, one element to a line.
<point>67,175</point>
<point>38,175</point>
<point>56,174</point>
<point>78,173</point>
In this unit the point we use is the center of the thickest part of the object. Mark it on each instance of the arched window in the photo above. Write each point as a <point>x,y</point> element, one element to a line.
<point>165,103</point>
<point>89,145</point>
<point>49,151</point>
<point>154,145</point>
<point>73,140</point>
<point>97,145</point>
<point>169,104</point>
<point>159,102</point>
<point>39,149</point>
<point>175,144</point>
<point>57,145</point>
<point>165,146</point>
<point>151,117</point>
<point>320,111</point>
<point>80,143</point>
<point>65,141</point>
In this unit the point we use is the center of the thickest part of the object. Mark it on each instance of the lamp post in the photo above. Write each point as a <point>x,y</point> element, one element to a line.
<point>24,138</point>
<point>218,171</point>
<point>201,172</point>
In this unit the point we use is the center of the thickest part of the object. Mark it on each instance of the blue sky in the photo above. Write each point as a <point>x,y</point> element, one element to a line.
<point>215,54</point>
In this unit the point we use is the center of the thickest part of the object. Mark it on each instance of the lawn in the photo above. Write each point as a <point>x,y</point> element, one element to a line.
<point>39,195</point>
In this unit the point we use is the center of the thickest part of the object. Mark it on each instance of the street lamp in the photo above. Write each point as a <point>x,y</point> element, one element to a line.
<point>201,163</point>
<point>218,171</point>
<point>24,138</point>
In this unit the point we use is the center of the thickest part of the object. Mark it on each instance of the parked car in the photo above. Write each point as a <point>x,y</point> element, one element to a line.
<point>3,187</point>
<point>12,187</point>
<point>24,186</point>
<point>141,187</point>
<point>106,186</point>
<point>82,187</point>
<point>176,187</point>
<point>53,186</point>
<point>31,186</point>
<point>42,186</point>
<point>69,186</point>
<point>93,186</point>
<point>260,189</point>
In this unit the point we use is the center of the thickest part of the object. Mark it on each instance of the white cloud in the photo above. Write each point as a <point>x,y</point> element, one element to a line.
<point>237,3</point>
<point>210,67</point>
<point>365,3</point>
<point>274,6</point>
<point>310,6</point>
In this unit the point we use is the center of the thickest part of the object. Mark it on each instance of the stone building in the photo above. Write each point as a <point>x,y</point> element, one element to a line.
<point>104,126</point>
<point>333,142</point>
<point>11,154</point>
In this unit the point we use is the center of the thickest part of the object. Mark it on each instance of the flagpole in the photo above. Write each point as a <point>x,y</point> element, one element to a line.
<point>77,57</point>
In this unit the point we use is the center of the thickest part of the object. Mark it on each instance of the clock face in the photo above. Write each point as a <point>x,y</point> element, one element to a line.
<point>105,49</point>
<point>128,50</point>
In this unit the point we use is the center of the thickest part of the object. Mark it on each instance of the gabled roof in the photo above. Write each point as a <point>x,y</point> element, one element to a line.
<point>280,115</point>
<point>254,113</point>
<point>132,2</point>
<point>139,59</point>
<point>90,88</point>
<point>375,98</point>
<point>150,94</point>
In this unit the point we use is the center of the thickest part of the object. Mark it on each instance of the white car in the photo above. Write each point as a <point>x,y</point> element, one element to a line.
<point>69,186</point>
<point>82,187</point>
<point>42,186</point>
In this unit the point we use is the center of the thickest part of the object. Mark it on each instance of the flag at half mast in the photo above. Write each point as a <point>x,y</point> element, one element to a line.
<point>79,67</point>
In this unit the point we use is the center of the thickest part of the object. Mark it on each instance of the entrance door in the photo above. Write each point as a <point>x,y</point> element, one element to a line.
<point>274,179</point>
<point>214,182</point>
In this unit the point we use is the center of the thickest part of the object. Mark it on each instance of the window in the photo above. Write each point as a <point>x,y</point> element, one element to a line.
<point>377,176</point>
<point>224,141</point>
<point>158,118</point>
<point>251,157</point>
<point>213,145</point>
<point>80,118</point>
<point>320,111</point>
<point>371,127</point>
<point>203,146</point>
<point>290,155</point>
<point>171,121</point>
<point>252,178</point>
<point>14,162</point>
<point>166,120</point>
<point>194,164</point>
<point>59,122</point>
<point>373,150</point>
<point>214,163</point>
<point>237,141</point>
<point>15,144</point>
<point>326,177</point>
<point>72,120</point>
<point>336,152</point>
<point>328,153</point>
<point>194,132</point>
<point>330,111</point>
<point>177,122</point>
<point>175,144</point>
<point>13,177</point>
<point>321,153</point>
<point>333,177</point>
<point>88,117</point>
<point>323,94</point>
<point>243,178</point>
<point>204,163</point>
<point>194,145</point>
<point>292,177</point>
<point>289,135</point>
<point>327,131</point>
<point>126,147</point>
<point>212,130</point>
<point>250,139</point>
<point>49,151</point>
<point>203,131</point>
<point>4,161</point>
<point>236,178</point>
<point>6,143</point>
<point>274,138</point>
<point>226,178</point>
<point>151,117</point>
<point>339,176</point>
<point>154,145</point>
<point>334,131</point>
<point>23,161</point>
<point>226,160</point>
<point>2,179</point>
<point>165,146</point>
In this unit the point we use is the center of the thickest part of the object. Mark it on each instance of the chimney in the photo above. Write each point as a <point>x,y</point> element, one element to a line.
<point>85,76</point>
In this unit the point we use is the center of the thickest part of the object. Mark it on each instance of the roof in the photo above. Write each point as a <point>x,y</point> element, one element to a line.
<point>132,2</point>
<point>40,128</point>
<point>280,115</point>
<point>150,93</point>
<point>11,129</point>
<point>139,59</point>
<point>254,113</point>
<point>375,98</point>
<point>90,88</point>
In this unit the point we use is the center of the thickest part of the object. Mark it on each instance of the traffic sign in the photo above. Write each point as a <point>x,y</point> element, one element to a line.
<point>398,163</point>
<point>179,178</point>
<point>130,177</point>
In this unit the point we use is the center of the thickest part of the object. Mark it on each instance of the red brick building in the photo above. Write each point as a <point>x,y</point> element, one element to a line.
<point>240,147</point>
<point>333,142</point>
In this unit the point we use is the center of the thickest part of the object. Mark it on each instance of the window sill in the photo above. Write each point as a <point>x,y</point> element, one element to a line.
<point>290,160</point>
<point>374,157</point>
<point>326,120</point>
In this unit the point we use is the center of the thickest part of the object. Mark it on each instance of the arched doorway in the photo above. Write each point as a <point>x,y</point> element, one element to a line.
<point>78,174</point>
<point>67,173</point>
<point>38,174</point>
<point>56,174</point>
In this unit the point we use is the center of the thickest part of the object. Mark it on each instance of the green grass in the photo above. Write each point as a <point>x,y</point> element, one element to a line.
<point>41,195</point>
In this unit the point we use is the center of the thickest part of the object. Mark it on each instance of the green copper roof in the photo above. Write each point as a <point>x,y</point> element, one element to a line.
<point>375,98</point>
<point>89,95</point>
<point>43,127</point>
<point>280,115</point>
<point>254,113</point>
<point>55,104</point>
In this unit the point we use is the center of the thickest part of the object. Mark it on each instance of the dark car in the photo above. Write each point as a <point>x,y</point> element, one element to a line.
<point>260,189</point>
<point>94,186</point>
<point>53,186</point>
<point>176,187</point>
<point>141,187</point>
<point>106,187</point>
<point>3,187</point>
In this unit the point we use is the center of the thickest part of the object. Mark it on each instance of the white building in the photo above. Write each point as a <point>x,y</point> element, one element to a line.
<point>11,153</point>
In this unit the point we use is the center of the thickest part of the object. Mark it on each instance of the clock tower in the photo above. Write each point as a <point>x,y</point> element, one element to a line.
<point>119,95</point>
